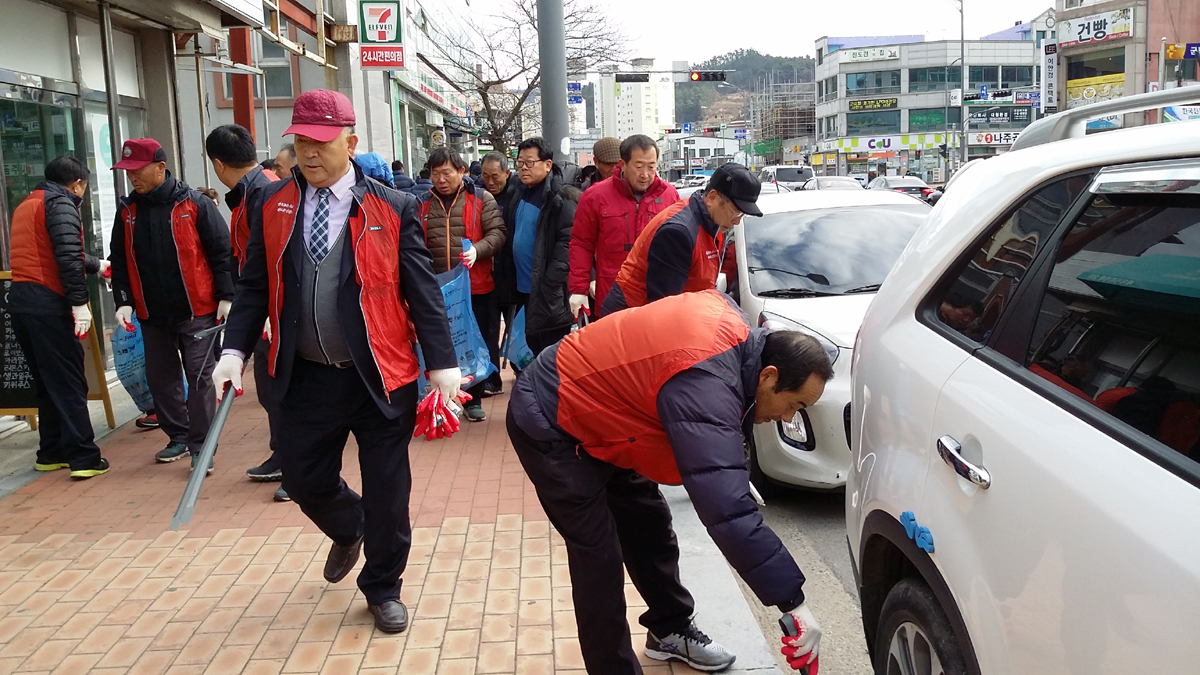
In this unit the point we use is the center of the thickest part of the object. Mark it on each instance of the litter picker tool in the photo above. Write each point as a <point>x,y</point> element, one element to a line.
<point>187,503</point>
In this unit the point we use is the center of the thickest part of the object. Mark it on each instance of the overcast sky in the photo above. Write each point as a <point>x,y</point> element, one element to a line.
<point>695,30</point>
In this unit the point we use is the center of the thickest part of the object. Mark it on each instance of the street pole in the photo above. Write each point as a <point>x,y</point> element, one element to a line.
<point>1162,74</point>
<point>962,46</point>
<point>552,48</point>
<point>110,88</point>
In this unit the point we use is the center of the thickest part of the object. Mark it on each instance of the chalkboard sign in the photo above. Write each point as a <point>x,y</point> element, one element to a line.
<point>17,396</point>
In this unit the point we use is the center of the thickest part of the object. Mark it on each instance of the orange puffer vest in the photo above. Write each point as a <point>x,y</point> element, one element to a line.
<point>193,261</point>
<point>702,275</point>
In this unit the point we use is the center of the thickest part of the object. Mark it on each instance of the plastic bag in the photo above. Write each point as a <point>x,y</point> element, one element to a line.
<point>129,359</point>
<point>474,359</point>
<point>518,352</point>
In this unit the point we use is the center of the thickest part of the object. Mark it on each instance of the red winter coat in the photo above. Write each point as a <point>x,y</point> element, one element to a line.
<point>607,223</point>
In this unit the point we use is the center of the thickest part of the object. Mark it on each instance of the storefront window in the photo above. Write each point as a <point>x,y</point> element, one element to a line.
<point>877,82</point>
<point>875,122</point>
<point>933,119</point>
<point>1096,64</point>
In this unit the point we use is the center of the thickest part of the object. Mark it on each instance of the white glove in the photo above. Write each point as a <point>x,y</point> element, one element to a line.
<point>104,267</point>
<point>446,382</point>
<point>125,317</point>
<point>267,330</point>
<point>229,369</point>
<point>469,256</point>
<point>223,309</point>
<point>83,319</point>
<point>578,302</point>
<point>592,288</point>
<point>802,650</point>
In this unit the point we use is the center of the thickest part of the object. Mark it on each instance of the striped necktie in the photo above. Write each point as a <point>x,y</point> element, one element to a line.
<point>318,238</point>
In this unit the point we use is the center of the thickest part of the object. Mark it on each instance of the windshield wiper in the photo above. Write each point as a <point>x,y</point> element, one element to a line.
<point>792,293</point>
<point>870,288</point>
<point>818,278</point>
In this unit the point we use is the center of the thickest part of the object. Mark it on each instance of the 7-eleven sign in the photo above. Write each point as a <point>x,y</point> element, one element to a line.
<point>380,35</point>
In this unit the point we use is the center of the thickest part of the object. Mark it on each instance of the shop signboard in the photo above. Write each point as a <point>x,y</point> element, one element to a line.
<point>437,138</point>
<point>1094,90</point>
<point>992,137</point>
<point>1001,115</point>
<point>380,35</point>
<point>994,97</point>
<point>678,164</point>
<point>1181,113</point>
<point>1178,52</point>
<point>1086,30</point>
<point>871,144</point>
<point>874,104</point>
<point>1050,76</point>
<point>871,54</point>
<point>818,159</point>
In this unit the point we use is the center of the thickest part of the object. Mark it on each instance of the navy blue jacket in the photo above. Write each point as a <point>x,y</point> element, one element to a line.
<point>402,182</point>
<point>705,412</point>
<point>421,187</point>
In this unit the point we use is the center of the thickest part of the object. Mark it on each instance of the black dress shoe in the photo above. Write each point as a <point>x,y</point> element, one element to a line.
<point>390,617</point>
<point>341,560</point>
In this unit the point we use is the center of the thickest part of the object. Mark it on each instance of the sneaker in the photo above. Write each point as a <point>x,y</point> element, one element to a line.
<point>99,468</point>
<point>475,413</point>
<point>692,647</point>
<point>171,453</point>
<point>196,456</point>
<point>281,496</point>
<point>147,421</point>
<point>50,466</point>
<point>490,389</point>
<point>266,472</point>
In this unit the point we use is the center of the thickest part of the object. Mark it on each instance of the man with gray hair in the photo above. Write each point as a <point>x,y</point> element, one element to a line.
<point>285,161</point>
<point>500,181</point>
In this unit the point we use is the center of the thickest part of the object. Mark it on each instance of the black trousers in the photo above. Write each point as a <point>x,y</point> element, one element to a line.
<point>322,407</point>
<point>55,357</point>
<point>487,315</point>
<point>170,349</point>
<point>262,385</point>
<point>608,516</point>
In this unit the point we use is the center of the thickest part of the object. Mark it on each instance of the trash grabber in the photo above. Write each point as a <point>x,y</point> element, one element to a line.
<point>187,504</point>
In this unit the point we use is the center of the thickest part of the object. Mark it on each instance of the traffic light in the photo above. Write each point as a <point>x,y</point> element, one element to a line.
<point>633,77</point>
<point>707,76</point>
<point>944,151</point>
<point>676,130</point>
<point>711,130</point>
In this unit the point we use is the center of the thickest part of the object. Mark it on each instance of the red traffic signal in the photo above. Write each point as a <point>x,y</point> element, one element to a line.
<point>707,76</point>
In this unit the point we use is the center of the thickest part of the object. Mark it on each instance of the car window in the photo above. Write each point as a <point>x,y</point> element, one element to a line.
<point>836,183</point>
<point>1119,321</point>
<point>902,181</point>
<point>793,174</point>
<point>982,285</point>
<point>827,251</point>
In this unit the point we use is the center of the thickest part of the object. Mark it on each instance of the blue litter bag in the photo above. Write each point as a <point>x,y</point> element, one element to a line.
<point>518,352</point>
<point>473,357</point>
<point>129,359</point>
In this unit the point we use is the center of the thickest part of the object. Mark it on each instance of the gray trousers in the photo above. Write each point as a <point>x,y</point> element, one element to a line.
<point>170,349</point>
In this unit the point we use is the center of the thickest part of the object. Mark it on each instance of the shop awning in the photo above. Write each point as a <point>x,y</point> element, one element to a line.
<point>1169,282</point>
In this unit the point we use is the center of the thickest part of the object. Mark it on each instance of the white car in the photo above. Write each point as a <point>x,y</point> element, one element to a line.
<point>1025,490</point>
<point>813,261</point>
<point>791,176</point>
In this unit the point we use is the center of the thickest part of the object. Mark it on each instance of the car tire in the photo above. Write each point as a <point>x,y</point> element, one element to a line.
<point>765,487</point>
<point>914,634</point>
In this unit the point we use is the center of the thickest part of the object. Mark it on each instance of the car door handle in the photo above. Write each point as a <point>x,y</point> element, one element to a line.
<point>951,452</point>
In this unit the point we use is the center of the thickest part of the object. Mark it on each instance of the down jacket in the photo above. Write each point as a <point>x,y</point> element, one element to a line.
<point>48,261</point>
<point>444,232</point>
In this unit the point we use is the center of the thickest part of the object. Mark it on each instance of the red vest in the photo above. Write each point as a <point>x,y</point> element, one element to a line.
<point>472,216</point>
<point>701,276</point>
<point>615,368</point>
<point>193,263</point>
<point>374,233</point>
<point>239,231</point>
<point>32,254</point>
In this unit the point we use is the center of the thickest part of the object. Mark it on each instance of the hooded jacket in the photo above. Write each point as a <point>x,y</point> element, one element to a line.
<point>401,181</point>
<point>374,166</point>
<point>473,215</point>
<point>48,262</point>
<point>170,254</point>
<point>607,224</point>
<point>673,405</point>
<point>547,308</point>
<point>421,186</point>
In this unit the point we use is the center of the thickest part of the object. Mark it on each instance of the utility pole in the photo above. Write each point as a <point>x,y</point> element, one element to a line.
<point>962,47</point>
<point>552,50</point>
<point>1162,75</point>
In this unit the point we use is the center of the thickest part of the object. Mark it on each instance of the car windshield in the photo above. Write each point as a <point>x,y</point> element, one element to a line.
<point>906,181</point>
<point>848,247</point>
<point>839,184</point>
<point>793,174</point>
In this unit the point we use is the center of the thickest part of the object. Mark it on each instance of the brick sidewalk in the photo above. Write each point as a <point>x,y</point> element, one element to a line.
<point>93,581</point>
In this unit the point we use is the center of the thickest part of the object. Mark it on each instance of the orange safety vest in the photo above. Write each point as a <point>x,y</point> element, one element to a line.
<point>701,276</point>
<point>193,262</point>
<point>239,232</point>
<point>32,255</point>
<point>610,375</point>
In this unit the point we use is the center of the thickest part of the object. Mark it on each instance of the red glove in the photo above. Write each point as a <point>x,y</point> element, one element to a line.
<point>436,419</point>
<point>802,639</point>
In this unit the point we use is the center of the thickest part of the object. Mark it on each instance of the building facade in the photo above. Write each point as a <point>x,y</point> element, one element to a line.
<point>889,105</point>
<point>637,107</point>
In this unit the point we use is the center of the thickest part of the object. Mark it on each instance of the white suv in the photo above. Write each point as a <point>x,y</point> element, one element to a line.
<point>1024,494</point>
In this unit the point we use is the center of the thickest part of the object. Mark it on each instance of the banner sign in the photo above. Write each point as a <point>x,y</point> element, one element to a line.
<point>1050,76</point>
<point>992,138</point>
<point>380,35</point>
<point>1096,28</point>
<point>871,54</point>
<point>873,104</point>
<point>1181,113</point>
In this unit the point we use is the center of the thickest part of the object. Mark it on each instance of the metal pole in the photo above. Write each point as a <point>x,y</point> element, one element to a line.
<point>201,108</point>
<point>552,46</point>
<point>266,117</point>
<point>367,108</point>
<point>1162,73</point>
<point>962,46</point>
<point>110,89</point>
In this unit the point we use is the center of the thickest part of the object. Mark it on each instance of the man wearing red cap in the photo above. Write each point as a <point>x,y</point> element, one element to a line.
<point>170,263</point>
<point>337,263</point>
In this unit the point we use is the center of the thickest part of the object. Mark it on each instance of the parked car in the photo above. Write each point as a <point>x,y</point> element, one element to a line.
<point>1026,392</point>
<point>813,262</point>
<point>787,175</point>
<point>909,185</point>
<point>831,183</point>
<point>862,178</point>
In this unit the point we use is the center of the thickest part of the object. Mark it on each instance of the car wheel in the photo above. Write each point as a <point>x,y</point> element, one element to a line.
<point>763,484</point>
<point>915,637</point>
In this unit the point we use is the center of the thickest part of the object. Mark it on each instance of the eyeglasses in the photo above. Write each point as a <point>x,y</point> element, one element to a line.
<point>529,163</point>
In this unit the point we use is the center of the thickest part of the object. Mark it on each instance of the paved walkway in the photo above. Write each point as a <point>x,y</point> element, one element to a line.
<point>93,581</point>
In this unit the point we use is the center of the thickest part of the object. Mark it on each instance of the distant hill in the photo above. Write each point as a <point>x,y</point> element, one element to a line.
<point>751,70</point>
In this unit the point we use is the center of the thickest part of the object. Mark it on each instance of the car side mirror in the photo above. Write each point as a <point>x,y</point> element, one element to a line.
<point>722,282</point>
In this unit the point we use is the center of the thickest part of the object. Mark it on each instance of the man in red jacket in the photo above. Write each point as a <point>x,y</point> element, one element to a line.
<point>610,217</point>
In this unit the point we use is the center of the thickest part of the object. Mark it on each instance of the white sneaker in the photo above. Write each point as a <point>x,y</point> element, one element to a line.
<point>692,647</point>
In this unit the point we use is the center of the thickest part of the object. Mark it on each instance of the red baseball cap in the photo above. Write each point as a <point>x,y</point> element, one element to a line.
<point>138,152</point>
<point>321,114</point>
